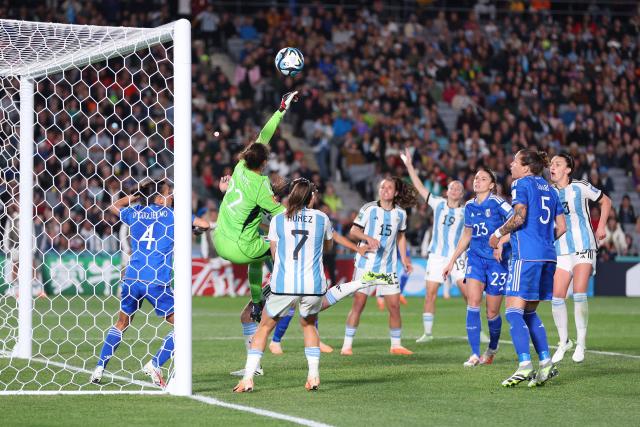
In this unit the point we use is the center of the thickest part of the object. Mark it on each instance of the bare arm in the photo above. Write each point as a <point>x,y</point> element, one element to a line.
<point>122,203</point>
<point>402,247</point>
<point>517,219</point>
<point>328,244</point>
<point>605,209</point>
<point>415,179</point>
<point>560,226</point>
<point>357,233</point>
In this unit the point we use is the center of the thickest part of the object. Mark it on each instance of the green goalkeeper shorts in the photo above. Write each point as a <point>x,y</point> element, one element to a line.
<point>240,251</point>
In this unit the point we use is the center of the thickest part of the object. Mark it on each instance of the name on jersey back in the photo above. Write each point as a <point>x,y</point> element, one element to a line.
<point>151,215</point>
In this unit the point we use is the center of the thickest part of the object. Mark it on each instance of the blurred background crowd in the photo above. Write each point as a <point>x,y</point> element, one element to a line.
<point>461,85</point>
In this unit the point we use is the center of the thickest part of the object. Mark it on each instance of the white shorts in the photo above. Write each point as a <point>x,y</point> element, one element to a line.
<point>380,290</point>
<point>278,305</point>
<point>436,265</point>
<point>568,261</point>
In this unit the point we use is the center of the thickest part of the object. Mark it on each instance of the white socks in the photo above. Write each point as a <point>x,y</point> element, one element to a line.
<point>349,333</point>
<point>559,310</point>
<point>427,321</point>
<point>313,360</point>
<point>253,361</point>
<point>581,311</point>
<point>396,335</point>
<point>338,292</point>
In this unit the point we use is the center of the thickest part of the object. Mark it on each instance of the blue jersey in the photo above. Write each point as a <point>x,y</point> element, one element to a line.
<point>484,218</point>
<point>151,231</point>
<point>535,240</point>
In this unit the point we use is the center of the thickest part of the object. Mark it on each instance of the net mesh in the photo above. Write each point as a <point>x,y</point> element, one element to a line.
<point>103,123</point>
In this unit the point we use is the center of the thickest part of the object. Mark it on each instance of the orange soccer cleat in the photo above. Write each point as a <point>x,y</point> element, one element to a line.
<point>244,386</point>
<point>400,350</point>
<point>380,302</point>
<point>324,348</point>
<point>346,352</point>
<point>403,300</point>
<point>313,384</point>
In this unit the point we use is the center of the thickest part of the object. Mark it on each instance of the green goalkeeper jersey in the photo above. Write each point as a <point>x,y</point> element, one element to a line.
<point>249,195</point>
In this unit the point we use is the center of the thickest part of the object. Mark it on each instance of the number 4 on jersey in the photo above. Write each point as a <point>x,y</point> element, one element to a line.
<point>148,236</point>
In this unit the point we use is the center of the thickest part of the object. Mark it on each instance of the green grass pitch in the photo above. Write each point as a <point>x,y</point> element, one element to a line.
<point>370,388</point>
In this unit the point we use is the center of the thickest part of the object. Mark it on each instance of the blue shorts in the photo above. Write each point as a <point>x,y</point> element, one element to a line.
<point>134,292</point>
<point>490,272</point>
<point>531,280</point>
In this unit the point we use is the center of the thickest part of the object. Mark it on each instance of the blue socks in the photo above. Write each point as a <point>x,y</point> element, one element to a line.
<point>473,329</point>
<point>495,326</point>
<point>282,325</point>
<point>538,334</point>
<point>519,333</point>
<point>165,352</point>
<point>111,343</point>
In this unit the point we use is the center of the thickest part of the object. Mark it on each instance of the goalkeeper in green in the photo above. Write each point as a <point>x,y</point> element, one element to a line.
<point>247,197</point>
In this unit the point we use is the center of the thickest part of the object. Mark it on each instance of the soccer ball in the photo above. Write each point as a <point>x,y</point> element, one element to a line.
<point>289,61</point>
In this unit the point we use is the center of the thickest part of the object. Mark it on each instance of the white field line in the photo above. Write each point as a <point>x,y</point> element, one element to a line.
<point>258,411</point>
<point>204,399</point>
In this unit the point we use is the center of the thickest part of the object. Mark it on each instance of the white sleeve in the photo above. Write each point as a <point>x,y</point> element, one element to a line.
<point>590,192</point>
<point>328,228</point>
<point>273,233</point>
<point>434,201</point>
<point>363,218</point>
<point>403,223</point>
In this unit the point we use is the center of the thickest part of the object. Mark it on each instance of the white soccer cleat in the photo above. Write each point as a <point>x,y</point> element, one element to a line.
<point>96,376</point>
<point>155,374</point>
<point>578,354</point>
<point>240,373</point>
<point>562,349</point>
<point>473,361</point>
<point>425,338</point>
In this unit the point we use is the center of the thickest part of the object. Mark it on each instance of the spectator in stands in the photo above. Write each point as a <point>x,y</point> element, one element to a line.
<point>626,212</point>
<point>615,242</point>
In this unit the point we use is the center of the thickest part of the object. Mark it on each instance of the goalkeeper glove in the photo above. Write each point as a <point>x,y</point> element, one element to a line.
<point>256,311</point>
<point>287,99</point>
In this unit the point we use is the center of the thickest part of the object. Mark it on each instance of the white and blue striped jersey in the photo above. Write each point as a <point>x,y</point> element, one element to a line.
<point>297,267</point>
<point>447,226</point>
<point>383,225</point>
<point>575,203</point>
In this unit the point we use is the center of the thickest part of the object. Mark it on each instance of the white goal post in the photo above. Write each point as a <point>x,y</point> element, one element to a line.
<point>34,53</point>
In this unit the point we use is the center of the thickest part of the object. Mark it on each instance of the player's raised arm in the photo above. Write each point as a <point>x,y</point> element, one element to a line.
<point>123,202</point>
<point>415,179</point>
<point>270,127</point>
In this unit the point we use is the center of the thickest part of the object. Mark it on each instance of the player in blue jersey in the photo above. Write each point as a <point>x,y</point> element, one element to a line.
<point>537,222</point>
<point>381,225</point>
<point>448,223</point>
<point>298,238</point>
<point>487,268</point>
<point>148,274</point>
<point>576,250</point>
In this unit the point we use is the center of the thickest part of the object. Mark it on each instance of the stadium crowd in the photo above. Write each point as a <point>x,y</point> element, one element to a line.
<point>371,86</point>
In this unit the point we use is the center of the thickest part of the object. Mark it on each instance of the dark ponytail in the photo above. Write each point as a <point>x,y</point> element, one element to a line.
<point>148,191</point>
<point>300,196</point>
<point>536,160</point>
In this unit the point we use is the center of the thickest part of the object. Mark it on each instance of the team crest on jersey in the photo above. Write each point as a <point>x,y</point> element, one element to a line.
<point>487,213</point>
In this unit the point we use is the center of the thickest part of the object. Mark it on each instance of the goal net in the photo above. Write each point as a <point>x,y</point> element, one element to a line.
<point>87,114</point>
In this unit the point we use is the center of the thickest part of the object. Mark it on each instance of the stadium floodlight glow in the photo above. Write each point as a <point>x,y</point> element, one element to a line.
<point>87,112</point>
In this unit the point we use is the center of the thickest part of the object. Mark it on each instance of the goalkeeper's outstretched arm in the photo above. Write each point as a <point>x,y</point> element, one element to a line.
<point>270,127</point>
